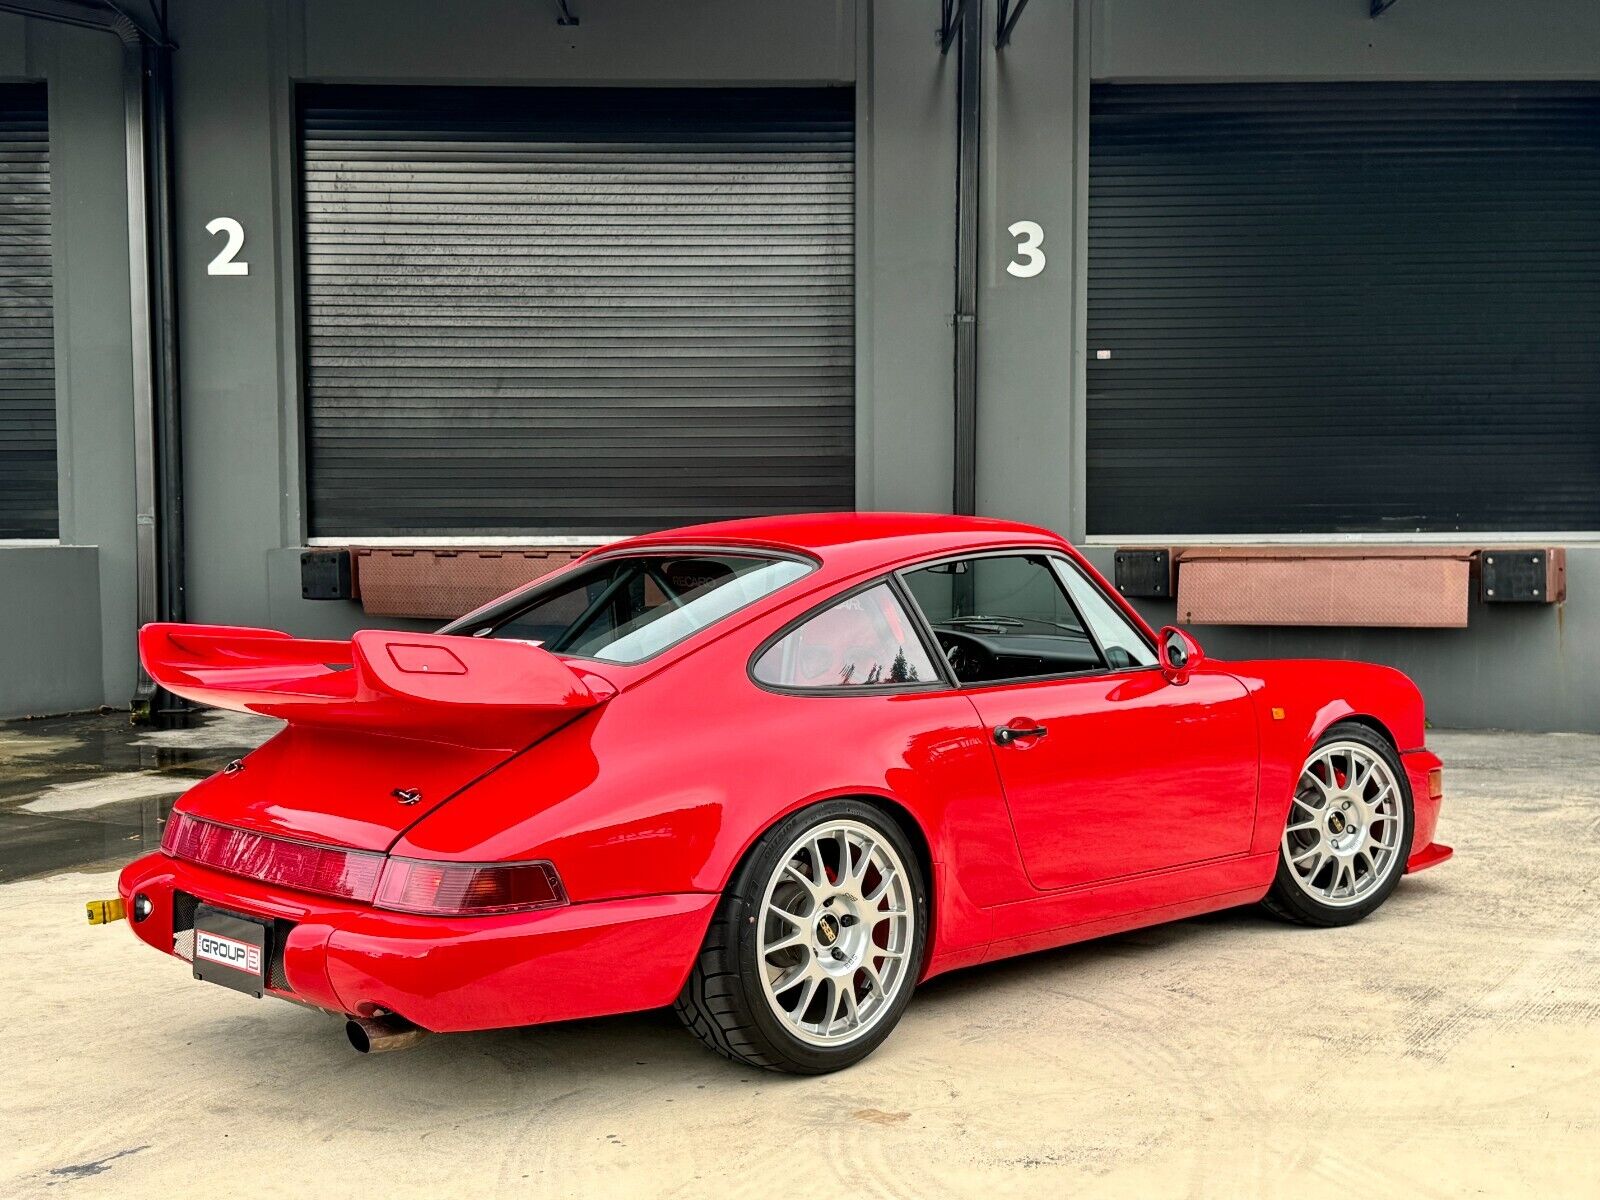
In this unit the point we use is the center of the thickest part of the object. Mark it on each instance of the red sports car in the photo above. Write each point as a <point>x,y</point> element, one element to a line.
<point>772,772</point>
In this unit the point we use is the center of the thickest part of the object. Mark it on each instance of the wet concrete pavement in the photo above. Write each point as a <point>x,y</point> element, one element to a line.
<point>87,791</point>
<point>1448,1046</point>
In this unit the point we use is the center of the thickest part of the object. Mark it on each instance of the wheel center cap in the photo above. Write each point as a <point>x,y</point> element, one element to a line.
<point>828,930</point>
<point>1337,824</point>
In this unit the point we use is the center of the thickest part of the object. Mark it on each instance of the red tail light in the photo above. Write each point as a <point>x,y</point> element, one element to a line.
<point>402,884</point>
<point>468,889</point>
<point>325,870</point>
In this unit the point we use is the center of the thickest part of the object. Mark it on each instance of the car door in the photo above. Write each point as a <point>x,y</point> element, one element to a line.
<point>1108,768</point>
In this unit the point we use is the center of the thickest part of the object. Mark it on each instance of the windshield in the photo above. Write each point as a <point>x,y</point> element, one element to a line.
<point>628,608</point>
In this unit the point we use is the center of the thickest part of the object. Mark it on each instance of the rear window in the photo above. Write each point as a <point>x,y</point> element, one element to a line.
<point>628,608</point>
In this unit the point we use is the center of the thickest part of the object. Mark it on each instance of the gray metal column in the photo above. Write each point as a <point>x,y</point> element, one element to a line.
<point>163,326</point>
<point>969,98</point>
<point>144,430</point>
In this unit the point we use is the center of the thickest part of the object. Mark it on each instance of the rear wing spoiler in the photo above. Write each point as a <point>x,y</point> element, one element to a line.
<point>441,688</point>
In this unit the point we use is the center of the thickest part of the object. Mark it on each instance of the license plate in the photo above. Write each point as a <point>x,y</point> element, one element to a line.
<point>232,950</point>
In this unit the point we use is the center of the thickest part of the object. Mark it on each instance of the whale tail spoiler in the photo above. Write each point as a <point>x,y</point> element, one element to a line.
<point>437,687</point>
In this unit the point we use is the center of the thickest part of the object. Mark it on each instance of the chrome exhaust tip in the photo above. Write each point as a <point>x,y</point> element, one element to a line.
<point>379,1035</point>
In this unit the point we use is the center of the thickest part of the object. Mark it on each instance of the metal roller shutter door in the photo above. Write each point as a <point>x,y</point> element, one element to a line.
<point>1362,307</point>
<point>27,343</point>
<point>575,311</point>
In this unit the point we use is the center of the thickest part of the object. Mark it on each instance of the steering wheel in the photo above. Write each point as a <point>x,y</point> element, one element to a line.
<point>967,659</point>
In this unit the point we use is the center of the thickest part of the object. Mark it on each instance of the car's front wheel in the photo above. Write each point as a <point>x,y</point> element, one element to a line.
<point>814,951</point>
<point>1348,835</point>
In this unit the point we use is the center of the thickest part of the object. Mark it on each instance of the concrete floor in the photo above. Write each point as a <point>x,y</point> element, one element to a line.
<point>94,790</point>
<point>1450,1045</point>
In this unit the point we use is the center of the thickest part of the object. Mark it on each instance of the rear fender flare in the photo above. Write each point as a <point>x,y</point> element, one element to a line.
<point>892,809</point>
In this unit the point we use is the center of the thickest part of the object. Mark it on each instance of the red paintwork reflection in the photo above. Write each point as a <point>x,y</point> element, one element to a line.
<point>1086,809</point>
<point>644,785</point>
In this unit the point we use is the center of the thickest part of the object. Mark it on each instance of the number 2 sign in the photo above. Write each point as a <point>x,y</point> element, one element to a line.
<point>225,263</point>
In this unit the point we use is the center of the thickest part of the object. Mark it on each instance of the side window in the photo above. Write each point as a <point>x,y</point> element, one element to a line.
<point>864,641</point>
<point>1003,617</point>
<point>1121,642</point>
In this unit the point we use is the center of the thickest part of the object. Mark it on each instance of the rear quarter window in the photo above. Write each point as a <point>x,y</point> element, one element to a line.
<point>863,641</point>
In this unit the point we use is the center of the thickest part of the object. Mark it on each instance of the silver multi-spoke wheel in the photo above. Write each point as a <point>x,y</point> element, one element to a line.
<point>816,945</point>
<point>836,930</point>
<point>1346,825</point>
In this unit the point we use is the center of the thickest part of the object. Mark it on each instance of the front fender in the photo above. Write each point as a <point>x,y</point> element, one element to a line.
<point>1299,700</point>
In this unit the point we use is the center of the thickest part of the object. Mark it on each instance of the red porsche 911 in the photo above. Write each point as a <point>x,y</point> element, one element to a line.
<point>772,772</point>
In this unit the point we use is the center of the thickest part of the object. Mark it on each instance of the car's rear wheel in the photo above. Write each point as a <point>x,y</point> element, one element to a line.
<point>815,949</point>
<point>1345,844</point>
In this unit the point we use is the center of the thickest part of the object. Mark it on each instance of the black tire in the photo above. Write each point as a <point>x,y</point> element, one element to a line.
<point>1290,901</point>
<point>724,1002</point>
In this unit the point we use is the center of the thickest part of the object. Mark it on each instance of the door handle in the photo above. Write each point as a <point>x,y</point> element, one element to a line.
<point>1004,735</point>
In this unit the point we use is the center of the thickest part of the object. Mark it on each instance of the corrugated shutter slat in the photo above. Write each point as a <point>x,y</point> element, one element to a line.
<point>575,311</point>
<point>1344,307</point>
<point>27,343</point>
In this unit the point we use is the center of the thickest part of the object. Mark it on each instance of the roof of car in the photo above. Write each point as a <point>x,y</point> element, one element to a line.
<point>822,534</point>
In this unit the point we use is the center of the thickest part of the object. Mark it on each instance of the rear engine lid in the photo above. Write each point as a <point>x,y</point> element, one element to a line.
<point>337,787</point>
<point>382,729</point>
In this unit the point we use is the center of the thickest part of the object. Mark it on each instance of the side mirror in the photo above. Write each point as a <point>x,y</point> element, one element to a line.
<point>1180,654</point>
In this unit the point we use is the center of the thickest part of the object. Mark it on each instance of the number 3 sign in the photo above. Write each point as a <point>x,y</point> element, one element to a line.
<point>1030,255</point>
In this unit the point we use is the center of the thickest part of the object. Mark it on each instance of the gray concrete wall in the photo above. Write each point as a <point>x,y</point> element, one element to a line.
<point>1153,40</point>
<point>1521,667</point>
<point>617,42</point>
<point>905,270</point>
<point>234,96</point>
<point>13,47</point>
<point>1029,364</point>
<point>235,333</point>
<point>50,652</point>
<point>240,373</point>
<point>62,605</point>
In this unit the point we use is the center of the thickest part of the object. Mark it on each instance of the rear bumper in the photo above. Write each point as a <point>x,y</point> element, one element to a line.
<point>1425,852</point>
<point>450,974</point>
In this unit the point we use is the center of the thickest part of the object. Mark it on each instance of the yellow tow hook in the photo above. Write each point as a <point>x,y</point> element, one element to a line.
<point>103,912</point>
